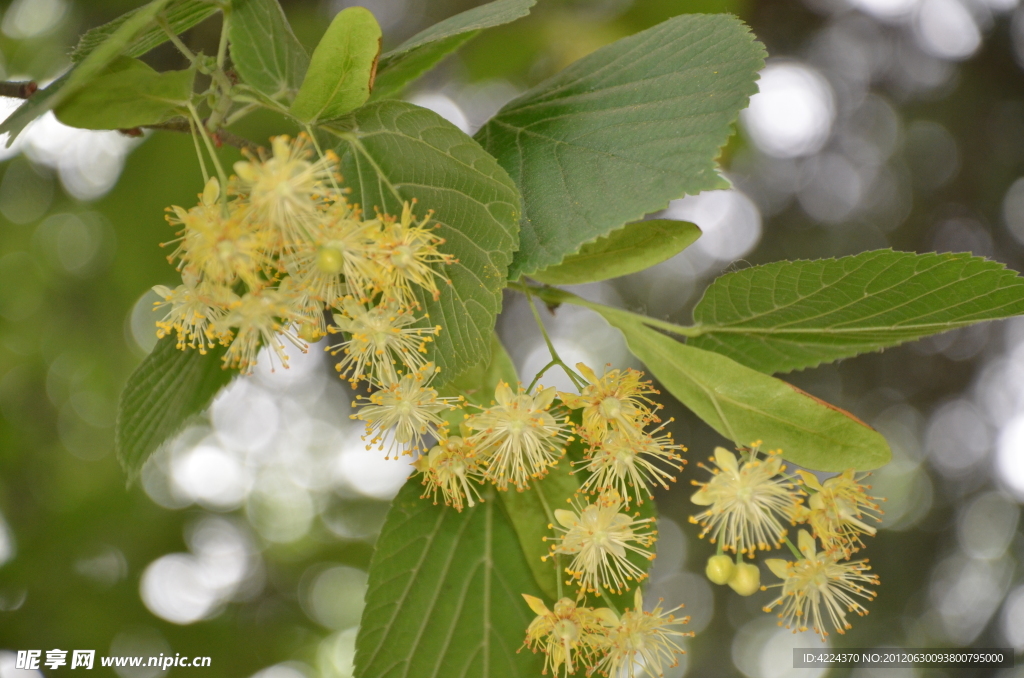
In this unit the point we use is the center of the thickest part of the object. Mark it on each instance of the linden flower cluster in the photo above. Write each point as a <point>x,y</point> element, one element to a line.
<point>597,640</point>
<point>264,258</point>
<point>522,435</point>
<point>622,457</point>
<point>748,501</point>
<point>517,440</point>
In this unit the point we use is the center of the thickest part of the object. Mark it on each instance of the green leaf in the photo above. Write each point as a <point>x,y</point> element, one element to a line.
<point>179,15</point>
<point>444,596</point>
<point>392,80</point>
<point>634,248</point>
<point>531,512</point>
<point>745,405</point>
<point>478,384</point>
<point>128,94</point>
<point>622,131</point>
<point>168,388</point>
<point>790,315</point>
<point>82,74</point>
<point>393,152</point>
<point>341,70</point>
<point>264,50</point>
<point>420,53</point>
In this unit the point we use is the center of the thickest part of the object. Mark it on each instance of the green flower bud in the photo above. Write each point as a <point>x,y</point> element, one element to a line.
<point>720,569</point>
<point>746,579</point>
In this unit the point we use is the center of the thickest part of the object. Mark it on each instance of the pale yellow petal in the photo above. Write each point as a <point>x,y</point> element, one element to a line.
<point>810,480</point>
<point>566,518</point>
<point>503,393</point>
<point>587,373</point>
<point>606,617</point>
<point>726,460</point>
<point>806,543</point>
<point>536,604</point>
<point>778,566</point>
<point>702,497</point>
<point>245,170</point>
<point>543,399</point>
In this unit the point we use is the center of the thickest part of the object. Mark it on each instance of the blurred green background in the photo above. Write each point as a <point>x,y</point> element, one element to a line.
<point>882,123</point>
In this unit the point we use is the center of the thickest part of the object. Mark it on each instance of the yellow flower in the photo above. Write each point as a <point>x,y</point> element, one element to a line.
<point>622,462</point>
<point>835,512</point>
<point>344,245</point>
<point>518,436</point>
<point>570,636</point>
<point>618,400</point>
<point>379,338</point>
<point>600,536</point>
<point>307,312</point>
<point>450,468</point>
<point>643,642</point>
<point>406,252</point>
<point>745,502</point>
<point>409,407</point>
<point>326,287</point>
<point>284,189</point>
<point>220,245</point>
<point>194,307</point>
<point>259,318</point>
<point>819,580</point>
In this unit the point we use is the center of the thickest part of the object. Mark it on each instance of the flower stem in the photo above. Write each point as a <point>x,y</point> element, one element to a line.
<point>577,380</point>
<point>222,48</point>
<point>557,557</point>
<point>199,151</point>
<point>240,113</point>
<point>320,154</point>
<point>537,377</point>
<point>175,40</point>
<point>559,296</point>
<point>794,549</point>
<point>213,156</point>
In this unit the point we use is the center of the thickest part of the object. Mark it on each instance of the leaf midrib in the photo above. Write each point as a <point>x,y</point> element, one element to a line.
<point>735,326</point>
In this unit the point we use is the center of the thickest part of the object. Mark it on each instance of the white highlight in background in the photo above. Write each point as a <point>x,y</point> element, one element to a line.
<point>792,113</point>
<point>1009,465</point>
<point>729,221</point>
<point>443,106</point>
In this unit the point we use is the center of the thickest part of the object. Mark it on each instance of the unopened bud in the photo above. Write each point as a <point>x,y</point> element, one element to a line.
<point>719,569</point>
<point>746,579</point>
<point>329,260</point>
<point>309,333</point>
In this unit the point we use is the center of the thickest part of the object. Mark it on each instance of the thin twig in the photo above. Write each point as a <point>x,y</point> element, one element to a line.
<point>220,138</point>
<point>18,90</point>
